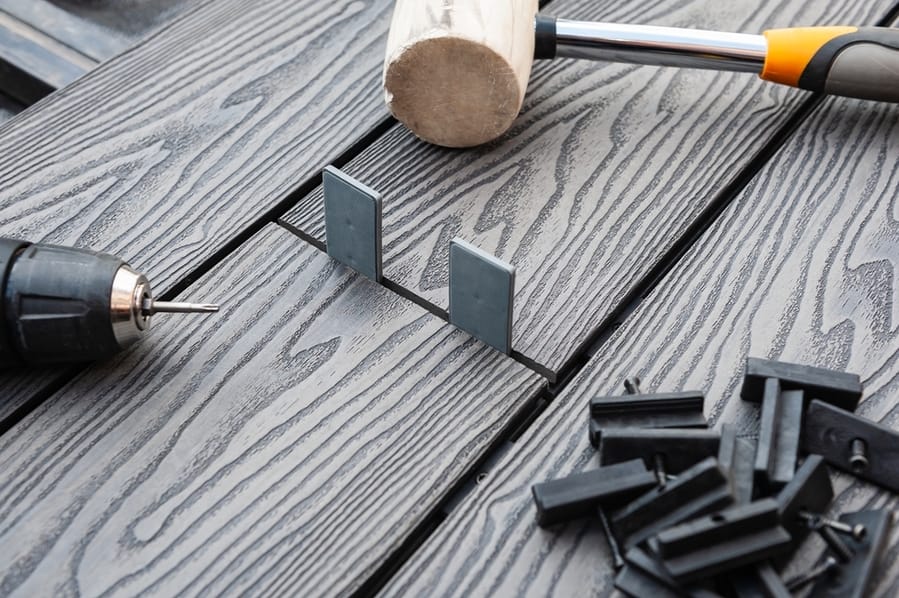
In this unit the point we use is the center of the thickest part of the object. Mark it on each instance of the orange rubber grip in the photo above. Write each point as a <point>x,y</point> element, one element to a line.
<point>791,50</point>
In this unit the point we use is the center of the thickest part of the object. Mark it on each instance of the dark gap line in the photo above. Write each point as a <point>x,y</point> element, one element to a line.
<point>890,18</point>
<point>269,217</point>
<point>277,211</point>
<point>601,335</point>
<point>55,385</point>
<point>465,484</point>
<point>420,301</point>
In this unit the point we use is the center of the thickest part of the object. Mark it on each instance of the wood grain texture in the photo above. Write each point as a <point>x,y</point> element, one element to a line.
<point>282,447</point>
<point>162,155</point>
<point>227,110</point>
<point>802,267</point>
<point>602,172</point>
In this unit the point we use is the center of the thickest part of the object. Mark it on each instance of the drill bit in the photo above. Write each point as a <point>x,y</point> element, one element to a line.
<point>151,307</point>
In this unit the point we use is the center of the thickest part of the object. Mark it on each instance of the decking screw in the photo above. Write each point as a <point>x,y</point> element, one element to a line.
<point>858,460</point>
<point>813,521</point>
<point>803,580</point>
<point>844,553</point>
<point>659,469</point>
<point>632,385</point>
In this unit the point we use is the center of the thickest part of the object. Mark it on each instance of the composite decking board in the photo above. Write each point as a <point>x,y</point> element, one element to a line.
<point>801,267</point>
<point>82,35</point>
<point>125,20</point>
<point>604,170</point>
<point>166,153</point>
<point>228,110</point>
<point>8,108</point>
<point>284,446</point>
<point>33,64</point>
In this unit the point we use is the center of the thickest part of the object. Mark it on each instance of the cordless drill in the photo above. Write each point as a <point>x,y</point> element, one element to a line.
<point>65,305</point>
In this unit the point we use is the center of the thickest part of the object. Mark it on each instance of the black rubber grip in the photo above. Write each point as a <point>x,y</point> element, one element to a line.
<point>56,304</point>
<point>864,64</point>
<point>9,250</point>
<point>545,47</point>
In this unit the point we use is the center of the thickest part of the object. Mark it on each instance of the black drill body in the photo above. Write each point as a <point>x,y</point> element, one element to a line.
<point>66,305</point>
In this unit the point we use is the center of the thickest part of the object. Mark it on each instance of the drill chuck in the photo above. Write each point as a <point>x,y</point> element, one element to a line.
<point>65,305</point>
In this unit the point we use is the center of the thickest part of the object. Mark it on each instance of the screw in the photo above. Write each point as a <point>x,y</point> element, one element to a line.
<point>659,469</point>
<point>830,564</point>
<point>843,552</point>
<point>813,521</point>
<point>617,559</point>
<point>858,460</point>
<point>632,385</point>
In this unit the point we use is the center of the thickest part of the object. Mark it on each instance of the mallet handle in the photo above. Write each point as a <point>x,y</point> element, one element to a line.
<point>642,44</point>
<point>846,61</point>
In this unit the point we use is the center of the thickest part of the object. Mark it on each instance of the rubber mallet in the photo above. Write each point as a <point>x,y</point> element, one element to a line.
<point>457,70</point>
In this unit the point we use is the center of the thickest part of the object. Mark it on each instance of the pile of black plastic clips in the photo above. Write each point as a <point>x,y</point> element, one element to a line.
<point>693,512</point>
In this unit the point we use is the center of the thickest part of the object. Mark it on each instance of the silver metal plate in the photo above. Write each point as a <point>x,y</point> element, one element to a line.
<point>353,223</point>
<point>481,293</point>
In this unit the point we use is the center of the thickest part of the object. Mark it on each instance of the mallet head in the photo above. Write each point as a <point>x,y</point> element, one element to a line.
<point>457,70</point>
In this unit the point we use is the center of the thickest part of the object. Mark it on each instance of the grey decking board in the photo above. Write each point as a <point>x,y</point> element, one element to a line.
<point>605,169</point>
<point>167,153</point>
<point>81,35</point>
<point>801,267</point>
<point>44,47</point>
<point>127,21</point>
<point>284,446</point>
<point>33,64</point>
<point>8,108</point>
<point>219,128</point>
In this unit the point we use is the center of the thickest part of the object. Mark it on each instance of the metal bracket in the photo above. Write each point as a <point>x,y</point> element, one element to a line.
<point>854,444</point>
<point>353,223</point>
<point>481,295</point>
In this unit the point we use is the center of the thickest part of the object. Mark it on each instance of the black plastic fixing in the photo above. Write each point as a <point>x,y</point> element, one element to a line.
<point>722,541</point>
<point>579,495</point>
<point>702,489</point>
<point>837,388</point>
<point>854,444</point>
<point>662,410</point>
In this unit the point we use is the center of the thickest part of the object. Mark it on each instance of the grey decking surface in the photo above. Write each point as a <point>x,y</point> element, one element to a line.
<point>289,443</point>
<point>801,268</point>
<point>174,150</point>
<point>605,170</point>
<point>297,441</point>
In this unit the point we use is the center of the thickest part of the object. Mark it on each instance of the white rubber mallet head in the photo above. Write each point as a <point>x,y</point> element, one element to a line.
<point>457,70</point>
